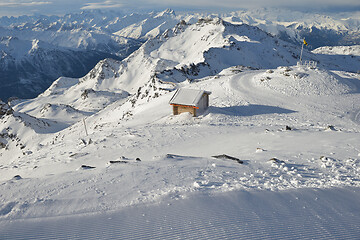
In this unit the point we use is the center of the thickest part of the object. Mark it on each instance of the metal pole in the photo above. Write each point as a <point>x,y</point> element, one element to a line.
<point>85,127</point>
<point>302,48</point>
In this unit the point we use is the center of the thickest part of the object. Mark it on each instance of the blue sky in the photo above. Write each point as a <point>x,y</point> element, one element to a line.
<point>59,7</point>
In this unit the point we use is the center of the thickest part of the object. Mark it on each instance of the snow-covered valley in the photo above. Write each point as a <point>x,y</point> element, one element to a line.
<point>279,140</point>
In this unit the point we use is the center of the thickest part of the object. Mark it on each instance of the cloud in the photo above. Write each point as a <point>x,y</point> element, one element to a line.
<point>22,4</point>
<point>103,5</point>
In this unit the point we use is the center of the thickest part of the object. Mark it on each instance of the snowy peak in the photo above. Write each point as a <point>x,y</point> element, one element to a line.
<point>221,44</point>
<point>167,12</point>
<point>150,27</point>
<point>102,74</point>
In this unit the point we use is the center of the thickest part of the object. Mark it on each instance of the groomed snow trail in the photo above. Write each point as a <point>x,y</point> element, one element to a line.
<point>295,214</point>
<point>244,85</point>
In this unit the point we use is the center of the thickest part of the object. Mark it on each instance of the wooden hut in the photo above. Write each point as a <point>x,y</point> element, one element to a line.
<point>190,100</point>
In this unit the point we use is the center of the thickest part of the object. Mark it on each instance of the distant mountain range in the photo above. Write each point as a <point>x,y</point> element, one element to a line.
<point>36,50</point>
<point>320,29</point>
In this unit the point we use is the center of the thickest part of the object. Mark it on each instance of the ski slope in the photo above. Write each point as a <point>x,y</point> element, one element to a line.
<point>299,214</point>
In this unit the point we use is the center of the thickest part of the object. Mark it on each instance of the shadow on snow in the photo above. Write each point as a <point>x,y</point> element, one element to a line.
<point>249,110</point>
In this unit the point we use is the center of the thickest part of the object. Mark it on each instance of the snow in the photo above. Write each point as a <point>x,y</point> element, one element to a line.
<point>189,97</point>
<point>336,28</point>
<point>339,50</point>
<point>150,27</point>
<point>103,157</point>
<point>243,116</point>
<point>304,213</point>
<point>297,80</point>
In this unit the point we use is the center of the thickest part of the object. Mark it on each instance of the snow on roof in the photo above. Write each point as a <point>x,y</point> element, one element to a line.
<point>188,97</point>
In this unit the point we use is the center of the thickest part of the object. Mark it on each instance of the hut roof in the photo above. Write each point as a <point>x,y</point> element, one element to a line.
<point>188,97</point>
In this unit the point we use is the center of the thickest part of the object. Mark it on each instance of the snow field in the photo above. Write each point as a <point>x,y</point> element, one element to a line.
<point>246,120</point>
<point>339,50</point>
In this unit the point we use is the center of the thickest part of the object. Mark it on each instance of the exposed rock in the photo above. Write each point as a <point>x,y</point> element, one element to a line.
<point>118,161</point>
<point>275,160</point>
<point>5,109</point>
<point>227,157</point>
<point>17,177</point>
<point>86,92</point>
<point>86,167</point>
<point>330,128</point>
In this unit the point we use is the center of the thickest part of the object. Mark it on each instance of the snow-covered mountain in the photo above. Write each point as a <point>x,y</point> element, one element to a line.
<point>184,55</point>
<point>320,29</point>
<point>190,52</point>
<point>153,26</point>
<point>90,30</point>
<point>65,46</point>
<point>96,35</point>
<point>29,67</point>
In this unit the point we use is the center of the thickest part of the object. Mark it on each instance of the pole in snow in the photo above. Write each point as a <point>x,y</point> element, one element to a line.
<point>85,127</point>
<point>302,48</point>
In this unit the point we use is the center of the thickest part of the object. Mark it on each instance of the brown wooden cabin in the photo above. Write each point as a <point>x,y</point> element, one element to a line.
<point>190,100</point>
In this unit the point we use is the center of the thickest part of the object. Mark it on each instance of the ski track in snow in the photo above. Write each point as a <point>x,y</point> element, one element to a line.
<point>296,214</point>
<point>245,86</point>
